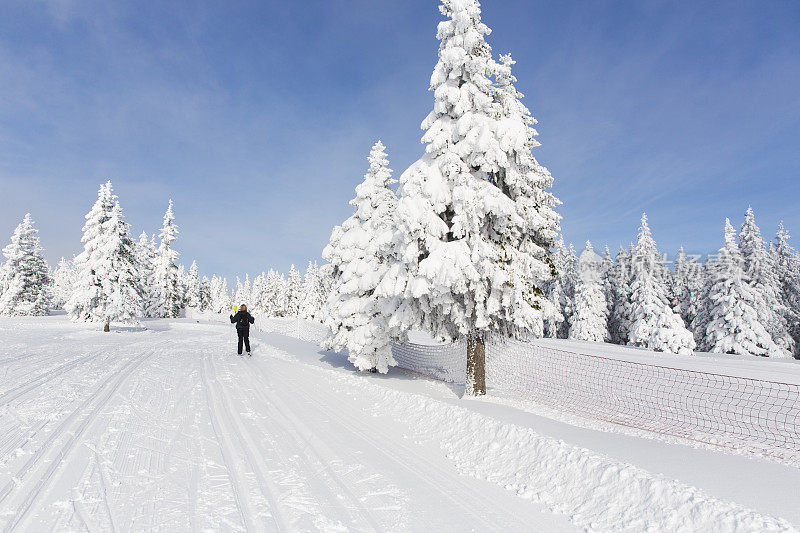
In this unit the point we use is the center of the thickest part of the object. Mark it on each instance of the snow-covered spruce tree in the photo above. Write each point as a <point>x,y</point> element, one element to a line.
<point>654,325</point>
<point>242,294</point>
<point>205,294</point>
<point>734,325</point>
<point>25,274</point>
<point>63,280</point>
<point>107,277</point>
<point>358,314</point>
<point>145,254</point>
<point>477,222</point>
<point>292,286</point>
<point>220,296</point>
<point>182,297</point>
<point>699,306</point>
<point>619,320</point>
<point>606,275</point>
<point>166,269</point>
<point>257,294</point>
<point>589,322</point>
<point>275,294</point>
<point>561,291</point>
<point>760,269</point>
<point>680,280</point>
<point>787,266</point>
<point>192,286</point>
<point>312,293</point>
<point>326,280</point>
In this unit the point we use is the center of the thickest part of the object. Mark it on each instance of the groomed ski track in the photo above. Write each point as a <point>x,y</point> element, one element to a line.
<point>164,428</point>
<point>167,429</point>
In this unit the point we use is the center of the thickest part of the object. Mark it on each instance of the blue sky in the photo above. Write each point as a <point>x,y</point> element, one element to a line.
<point>256,117</point>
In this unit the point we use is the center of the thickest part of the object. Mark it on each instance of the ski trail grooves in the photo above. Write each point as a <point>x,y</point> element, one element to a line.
<point>315,456</point>
<point>218,401</point>
<point>238,485</point>
<point>75,427</point>
<point>14,393</point>
<point>252,454</point>
<point>441,481</point>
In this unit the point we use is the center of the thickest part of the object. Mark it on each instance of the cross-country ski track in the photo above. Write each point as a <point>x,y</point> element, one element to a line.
<point>164,428</point>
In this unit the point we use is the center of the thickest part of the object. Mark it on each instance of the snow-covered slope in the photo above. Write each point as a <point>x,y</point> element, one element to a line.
<point>165,428</point>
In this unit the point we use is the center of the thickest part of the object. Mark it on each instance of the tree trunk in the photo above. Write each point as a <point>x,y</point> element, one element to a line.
<point>107,326</point>
<point>476,365</point>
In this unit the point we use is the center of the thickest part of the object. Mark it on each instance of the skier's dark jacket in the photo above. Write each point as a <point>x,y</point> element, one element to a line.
<point>242,319</point>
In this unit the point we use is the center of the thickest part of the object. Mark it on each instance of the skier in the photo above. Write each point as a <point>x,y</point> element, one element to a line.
<point>243,319</point>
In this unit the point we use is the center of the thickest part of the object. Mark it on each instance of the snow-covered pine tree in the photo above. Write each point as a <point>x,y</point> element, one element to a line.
<point>192,286</point>
<point>257,294</point>
<point>760,269</point>
<point>182,290</point>
<point>561,291</point>
<point>589,321</point>
<point>699,306</point>
<point>166,269</point>
<point>734,325</point>
<point>680,280</point>
<point>145,254</point>
<point>327,279</point>
<point>220,296</point>
<point>311,293</point>
<point>107,277</point>
<point>619,322</point>
<point>654,325</point>
<point>275,294</point>
<point>293,285</point>
<point>25,277</point>
<point>63,280</point>
<point>787,266</point>
<point>357,312</point>
<point>205,294</point>
<point>242,294</point>
<point>477,222</point>
<point>607,273</point>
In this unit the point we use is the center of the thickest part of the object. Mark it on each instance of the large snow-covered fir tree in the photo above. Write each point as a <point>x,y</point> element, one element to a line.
<point>166,268</point>
<point>357,313</point>
<point>477,218</point>
<point>734,325</point>
<point>590,320</point>
<point>760,270</point>
<point>25,279</point>
<point>107,279</point>
<point>63,280</point>
<point>654,325</point>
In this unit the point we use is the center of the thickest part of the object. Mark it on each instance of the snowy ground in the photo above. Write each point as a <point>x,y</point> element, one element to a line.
<point>167,429</point>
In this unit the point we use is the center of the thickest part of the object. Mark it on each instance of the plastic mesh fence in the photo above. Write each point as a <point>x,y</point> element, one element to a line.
<point>743,413</point>
<point>751,414</point>
<point>446,362</point>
